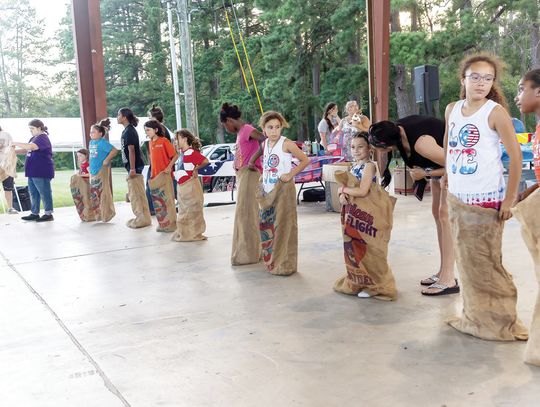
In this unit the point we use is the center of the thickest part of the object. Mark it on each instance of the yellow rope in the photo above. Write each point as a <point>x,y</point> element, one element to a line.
<point>237,53</point>
<point>248,63</point>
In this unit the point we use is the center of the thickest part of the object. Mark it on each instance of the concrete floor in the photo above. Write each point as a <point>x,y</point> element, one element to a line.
<point>101,315</point>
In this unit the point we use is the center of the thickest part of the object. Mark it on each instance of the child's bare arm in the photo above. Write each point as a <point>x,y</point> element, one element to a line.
<point>292,148</point>
<point>169,167</point>
<point>502,124</point>
<point>254,158</point>
<point>109,157</point>
<point>365,183</point>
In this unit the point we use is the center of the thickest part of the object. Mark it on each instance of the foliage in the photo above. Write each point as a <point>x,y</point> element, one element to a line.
<point>304,53</point>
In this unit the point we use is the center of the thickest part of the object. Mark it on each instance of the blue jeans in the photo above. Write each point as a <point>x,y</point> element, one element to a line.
<point>40,189</point>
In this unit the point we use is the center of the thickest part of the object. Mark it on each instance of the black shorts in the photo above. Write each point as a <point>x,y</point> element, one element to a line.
<point>8,184</point>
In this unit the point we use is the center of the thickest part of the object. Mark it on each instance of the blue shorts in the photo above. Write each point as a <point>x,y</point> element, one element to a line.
<point>8,184</point>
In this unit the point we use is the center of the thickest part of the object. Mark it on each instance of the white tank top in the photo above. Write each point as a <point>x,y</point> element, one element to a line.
<point>473,160</point>
<point>276,162</point>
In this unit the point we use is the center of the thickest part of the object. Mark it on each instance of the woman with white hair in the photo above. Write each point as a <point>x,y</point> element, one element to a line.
<point>353,123</point>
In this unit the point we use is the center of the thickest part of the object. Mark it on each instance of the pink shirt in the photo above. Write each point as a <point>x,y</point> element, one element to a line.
<point>245,148</point>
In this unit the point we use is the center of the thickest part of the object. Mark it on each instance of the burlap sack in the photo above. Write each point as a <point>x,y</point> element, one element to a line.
<point>246,244</point>
<point>366,225</point>
<point>139,203</point>
<point>527,213</point>
<point>162,192</point>
<point>488,291</point>
<point>8,159</point>
<point>279,228</point>
<point>190,224</point>
<point>80,191</point>
<point>101,199</point>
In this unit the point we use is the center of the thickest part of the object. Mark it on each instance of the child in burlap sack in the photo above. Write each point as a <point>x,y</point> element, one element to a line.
<point>526,211</point>
<point>80,188</point>
<point>134,164</point>
<point>277,196</point>
<point>8,169</point>
<point>163,155</point>
<point>479,202</point>
<point>190,223</point>
<point>246,243</point>
<point>101,153</point>
<point>366,220</point>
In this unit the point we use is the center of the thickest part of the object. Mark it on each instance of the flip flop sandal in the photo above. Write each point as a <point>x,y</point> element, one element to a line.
<point>445,290</point>
<point>433,279</point>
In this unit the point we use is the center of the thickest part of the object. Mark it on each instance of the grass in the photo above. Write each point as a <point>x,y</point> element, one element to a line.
<point>62,193</point>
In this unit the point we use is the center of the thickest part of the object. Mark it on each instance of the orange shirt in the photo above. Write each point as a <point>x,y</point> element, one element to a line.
<point>161,153</point>
<point>536,153</point>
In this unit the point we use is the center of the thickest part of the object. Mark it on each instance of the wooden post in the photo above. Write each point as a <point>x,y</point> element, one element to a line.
<point>378,22</point>
<point>90,68</point>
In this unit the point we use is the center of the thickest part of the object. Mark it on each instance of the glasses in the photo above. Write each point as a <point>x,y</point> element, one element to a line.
<point>476,77</point>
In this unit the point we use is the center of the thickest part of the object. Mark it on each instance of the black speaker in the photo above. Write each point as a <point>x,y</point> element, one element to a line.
<point>426,83</point>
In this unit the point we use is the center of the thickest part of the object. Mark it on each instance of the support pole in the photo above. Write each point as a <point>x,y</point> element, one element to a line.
<point>90,67</point>
<point>378,22</point>
<point>187,68</point>
<point>174,67</point>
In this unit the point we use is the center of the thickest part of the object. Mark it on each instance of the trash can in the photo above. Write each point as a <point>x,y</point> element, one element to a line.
<point>21,195</point>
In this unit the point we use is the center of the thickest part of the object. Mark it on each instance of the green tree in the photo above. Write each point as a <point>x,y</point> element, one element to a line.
<point>23,60</point>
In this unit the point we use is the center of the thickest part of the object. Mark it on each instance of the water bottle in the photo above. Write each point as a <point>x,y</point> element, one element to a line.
<point>315,148</point>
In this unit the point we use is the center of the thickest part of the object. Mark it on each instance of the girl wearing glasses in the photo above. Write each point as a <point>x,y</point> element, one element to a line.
<point>479,201</point>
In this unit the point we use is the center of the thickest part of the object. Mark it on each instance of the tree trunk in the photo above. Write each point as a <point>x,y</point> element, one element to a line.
<point>402,92</point>
<point>535,39</point>
<point>3,78</point>
<point>316,86</point>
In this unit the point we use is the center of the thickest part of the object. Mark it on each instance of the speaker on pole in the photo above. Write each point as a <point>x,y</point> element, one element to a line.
<point>426,86</point>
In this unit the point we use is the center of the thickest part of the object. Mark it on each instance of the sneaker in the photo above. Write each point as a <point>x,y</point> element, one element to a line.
<point>45,218</point>
<point>30,217</point>
<point>12,211</point>
<point>363,294</point>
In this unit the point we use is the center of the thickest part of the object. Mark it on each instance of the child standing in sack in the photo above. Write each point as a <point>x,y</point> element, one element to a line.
<point>190,224</point>
<point>101,153</point>
<point>134,164</point>
<point>277,196</point>
<point>82,159</point>
<point>479,201</point>
<point>366,220</point>
<point>526,211</point>
<point>246,237</point>
<point>163,155</point>
<point>8,169</point>
<point>80,188</point>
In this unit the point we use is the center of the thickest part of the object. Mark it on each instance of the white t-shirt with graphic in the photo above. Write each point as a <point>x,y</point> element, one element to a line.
<point>473,160</point>
<point>276,162</point>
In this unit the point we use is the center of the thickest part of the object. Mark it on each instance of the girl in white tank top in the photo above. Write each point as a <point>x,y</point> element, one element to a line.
<point>276,162</point>
<point>474,166</point>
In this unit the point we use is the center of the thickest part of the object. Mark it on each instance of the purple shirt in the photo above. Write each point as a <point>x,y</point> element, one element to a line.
<point>39,163</point>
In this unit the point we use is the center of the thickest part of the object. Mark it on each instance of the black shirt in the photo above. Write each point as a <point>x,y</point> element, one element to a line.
<point>131,138</point>
<point>416,126</point>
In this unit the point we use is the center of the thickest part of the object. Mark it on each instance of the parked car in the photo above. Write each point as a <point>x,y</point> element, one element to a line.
<point>217,153</point>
